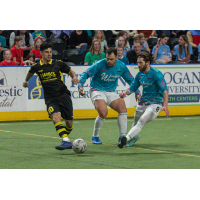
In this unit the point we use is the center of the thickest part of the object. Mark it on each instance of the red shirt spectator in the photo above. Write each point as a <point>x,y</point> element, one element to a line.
<point>36,49</point>
<point>37,53</point>
<point>11,63</point>
<point>7,59</point>
<point>17,53</point>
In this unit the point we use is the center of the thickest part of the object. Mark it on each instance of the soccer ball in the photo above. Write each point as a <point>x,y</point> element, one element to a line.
<point>79,145</point>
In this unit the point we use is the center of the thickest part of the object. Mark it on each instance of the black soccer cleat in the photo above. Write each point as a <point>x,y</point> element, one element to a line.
<point>123,142</point>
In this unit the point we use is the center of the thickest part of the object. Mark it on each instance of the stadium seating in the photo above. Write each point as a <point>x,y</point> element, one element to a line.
<point>69,63</point>
<point>76,58</point>
<point>54,40</point>
<point>180,32</point>
<point>85,52</point>
<point>130,40</point>
<point>67,43</point>
<point>172,42</point>
<point>56,55</point>
<point>6,34</point>
<point>90,41</point>
<point>108,34</point>
<point>152,42</point>
<point>111,42</point>
<point>59,47</point>
<point>68,52</point>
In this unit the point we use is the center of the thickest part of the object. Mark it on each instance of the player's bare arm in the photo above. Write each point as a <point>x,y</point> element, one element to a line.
<point>25,83</point>
<point>74,80</point>
<point>165,107</point>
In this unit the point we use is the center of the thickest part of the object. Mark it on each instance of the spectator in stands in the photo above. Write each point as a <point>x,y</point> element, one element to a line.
<point>120,50</point>
<point>95,54</point>
<point>129,33</point>
<point>79,40</point>
<point>142,39</point>
<point>55,33</point>
<point>193,38</point>
<point>17,51</point>
<point>199,53</point>
<point>125,35</point>
<point>38,33</point>
<point>7,59</point>
<point>90,33</point>
<point>65,34</point>
<point>36,48</point>
<point>183,50</point>
<point>2,41</point>
<point>121,42</point>
<point>132,54</point>
<point>161,52</point>
<point>26,37</point>
<point>99,35</point>
<point>169,33</point>
<point>30,59</point>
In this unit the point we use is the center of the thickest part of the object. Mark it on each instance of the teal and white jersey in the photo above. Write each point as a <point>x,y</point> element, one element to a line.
<point>154,85</point>
<point>105,78</point>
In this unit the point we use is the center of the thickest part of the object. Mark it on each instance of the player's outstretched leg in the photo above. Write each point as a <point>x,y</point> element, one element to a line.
<point>65,144</point>
<point>97,127</point>
<point>148,115</point>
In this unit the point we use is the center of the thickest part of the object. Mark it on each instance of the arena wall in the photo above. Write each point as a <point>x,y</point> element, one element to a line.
<point>18,103</point>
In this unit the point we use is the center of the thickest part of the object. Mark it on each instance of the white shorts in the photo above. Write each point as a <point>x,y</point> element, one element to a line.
<point>108,97</point>
<point>154,108</point>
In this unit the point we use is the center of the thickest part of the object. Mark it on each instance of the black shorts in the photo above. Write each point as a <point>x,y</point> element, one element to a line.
<point>61,104</point>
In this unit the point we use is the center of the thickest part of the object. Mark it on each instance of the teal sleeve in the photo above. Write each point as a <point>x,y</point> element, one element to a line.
<point>91,71</point>
<point>135,85</point>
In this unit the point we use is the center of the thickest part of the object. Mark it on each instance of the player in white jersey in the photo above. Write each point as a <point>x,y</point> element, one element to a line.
<point>154,97</point>
<point>105,74</point>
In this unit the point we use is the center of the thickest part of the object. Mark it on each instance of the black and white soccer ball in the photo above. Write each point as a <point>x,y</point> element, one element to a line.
<point>79,145</point>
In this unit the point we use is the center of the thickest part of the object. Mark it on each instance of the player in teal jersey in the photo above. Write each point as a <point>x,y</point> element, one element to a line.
<point>153,100</point>
<point>105,74</point>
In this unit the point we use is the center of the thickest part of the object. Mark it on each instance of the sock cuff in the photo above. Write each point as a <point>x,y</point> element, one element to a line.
<point>58,124</point>
<point>123,113</point>
<point>101,118</point>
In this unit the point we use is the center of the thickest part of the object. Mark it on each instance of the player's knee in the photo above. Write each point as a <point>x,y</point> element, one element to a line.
<point>55,118</point>
<point>103,114</point>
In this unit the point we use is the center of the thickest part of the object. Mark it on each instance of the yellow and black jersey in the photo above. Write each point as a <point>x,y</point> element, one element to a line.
<point>51,78</point>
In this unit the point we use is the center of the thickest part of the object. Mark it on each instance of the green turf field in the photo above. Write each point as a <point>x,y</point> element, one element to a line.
<point>165,143</point>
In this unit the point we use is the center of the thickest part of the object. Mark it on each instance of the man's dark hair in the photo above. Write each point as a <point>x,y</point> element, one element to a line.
<point>45,45</point>
<point>111,50</point>
<point>145,55</point>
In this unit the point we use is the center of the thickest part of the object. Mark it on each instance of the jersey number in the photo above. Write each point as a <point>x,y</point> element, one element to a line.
<point>50,110</point>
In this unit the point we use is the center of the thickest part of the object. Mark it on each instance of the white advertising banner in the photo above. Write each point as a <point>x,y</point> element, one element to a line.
<point>183,82</point>
<point>12,93</point>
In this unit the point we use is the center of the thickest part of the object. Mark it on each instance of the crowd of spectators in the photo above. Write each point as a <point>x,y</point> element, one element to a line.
<point>22,47</point>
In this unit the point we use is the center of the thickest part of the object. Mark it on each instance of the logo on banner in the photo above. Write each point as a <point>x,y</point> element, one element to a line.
<point>3,80</point>
<point>35,90</point>
<point>9,93</point>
